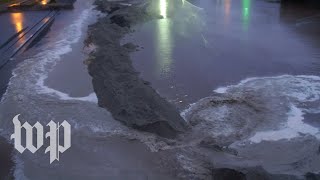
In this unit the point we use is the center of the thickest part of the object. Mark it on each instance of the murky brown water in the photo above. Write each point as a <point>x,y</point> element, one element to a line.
<point>205,44</point>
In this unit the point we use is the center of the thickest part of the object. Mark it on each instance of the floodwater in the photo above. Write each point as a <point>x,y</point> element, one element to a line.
<point>18,21</point>
<point>201,45</point>
<point>200,48</point>
<point>51,83</point>
<point>262,56</point>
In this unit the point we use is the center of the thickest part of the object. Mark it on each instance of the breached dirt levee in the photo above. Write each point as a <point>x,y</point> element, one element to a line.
<point>118,86</point>
<point>131,100</point>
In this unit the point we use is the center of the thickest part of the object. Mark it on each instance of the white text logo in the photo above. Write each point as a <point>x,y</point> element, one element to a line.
<point>54,149</point>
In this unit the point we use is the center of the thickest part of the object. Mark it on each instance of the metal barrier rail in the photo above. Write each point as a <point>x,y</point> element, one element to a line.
<point>39,27</point>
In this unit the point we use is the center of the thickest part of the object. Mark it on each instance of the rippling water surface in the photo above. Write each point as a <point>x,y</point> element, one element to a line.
<point>249,69</point>
<point>204,44</point>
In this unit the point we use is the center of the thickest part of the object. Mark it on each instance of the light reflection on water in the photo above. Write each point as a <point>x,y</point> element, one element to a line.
<point>44,2</point>
<point>180,19</point>
<point>17,20</point>
<point>227,9</point>
<point>164,44</point>
<point>246,8</point>
<point>203,44</point>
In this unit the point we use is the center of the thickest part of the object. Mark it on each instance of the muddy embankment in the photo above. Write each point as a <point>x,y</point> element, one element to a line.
<point>135,103</point>
<point>118,86</point>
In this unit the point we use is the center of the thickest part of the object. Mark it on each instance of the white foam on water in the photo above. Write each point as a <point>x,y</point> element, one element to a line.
<point>299,90</point>
<point>184,113</point>
<point>221,90</point>
<point>29,76</point>
<point>293,128</point>
<point>52,54</point>
<point>9,83</point>
<point>63,96</point>
<point>301,79</point>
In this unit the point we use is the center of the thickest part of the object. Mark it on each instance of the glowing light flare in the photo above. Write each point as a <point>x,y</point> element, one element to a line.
<point>15,4</point>
<point>17,20</point>
<point>163,8</point>
<point>44,2</point>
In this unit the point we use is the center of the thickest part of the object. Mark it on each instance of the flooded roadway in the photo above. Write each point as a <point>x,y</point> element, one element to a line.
<point>193,50</point>
<point>202,45</point>
<point>248,73</point>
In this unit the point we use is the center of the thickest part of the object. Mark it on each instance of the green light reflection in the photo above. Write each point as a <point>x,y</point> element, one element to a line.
<point>246,8</point>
